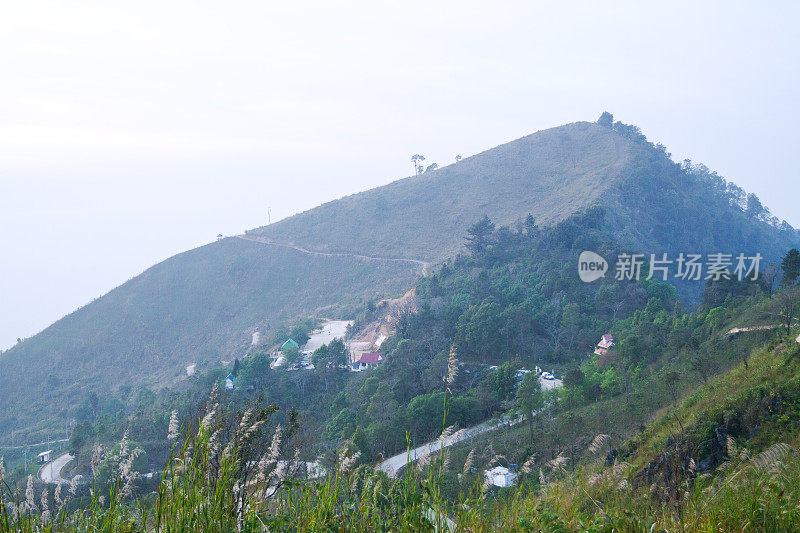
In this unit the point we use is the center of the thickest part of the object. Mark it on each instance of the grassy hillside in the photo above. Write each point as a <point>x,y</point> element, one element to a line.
<point>550,174</point>
<point>200,306</point>
<point>197,307</point>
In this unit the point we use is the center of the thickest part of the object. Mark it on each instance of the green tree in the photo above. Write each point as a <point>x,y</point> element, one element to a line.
<point>791,267</point>
<point>291,354</point>
<point>479,234</point>
<point>82,434</point>
<point>606,119</point>
<point>337,352</point>
<point>505,381</point>
<point>573,385</point>
<point>417,160</point>
<point>529,398</point>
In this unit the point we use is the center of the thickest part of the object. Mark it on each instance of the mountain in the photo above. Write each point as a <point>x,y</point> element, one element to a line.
<point>200,306</point>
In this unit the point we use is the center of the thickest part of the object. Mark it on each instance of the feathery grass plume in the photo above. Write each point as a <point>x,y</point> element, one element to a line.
<point>595,479</point>
<point>620,469</point>
<point>73,484</point>
<point>448,431</point>
<point>263,469</point>
<point>214,444</point>
<point>30,504</point>
<point>270,459</point>
<point>772,455</point>
<point>275,446</point>
<point>542,479</point>
<point>348,462</point>
<point>2,470</point>
<point>730,446</point>
<point>127,472</point>
<point>487,486</point>
<point>368,484</point>
<point>527,467</point>
<point>174,427</point>
<point>228,451</point>
<point>456,436</point>
<point>354,484</point>
<point>123,445</point>
<point>14,511</point>
<point>598,443</point>
<point>44,501</point>
<point>211,409</point>
<point>205,424</point>
<point>251,431</point>
<point>692,466</point>
<point>247,418</point>
<point>622,486</point>
<point>469,463</point>
<point>452,366</point>
<point>744,454</point>
<point>558,462</point>
<point>57,497</point>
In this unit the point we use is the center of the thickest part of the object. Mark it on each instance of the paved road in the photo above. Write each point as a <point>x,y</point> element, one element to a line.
<point>758,328</point>
<point>393,464</point>
<point>333,329</point>
<point>51,472</point>
<point>425,266</point>
<point>549,384</point>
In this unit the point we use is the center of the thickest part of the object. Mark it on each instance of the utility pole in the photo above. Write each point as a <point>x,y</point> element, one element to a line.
<point>26,460</point>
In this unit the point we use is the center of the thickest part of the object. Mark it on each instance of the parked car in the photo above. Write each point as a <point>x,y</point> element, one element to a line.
<point>547,375</point>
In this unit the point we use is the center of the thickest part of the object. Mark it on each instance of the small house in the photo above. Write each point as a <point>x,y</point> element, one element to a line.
<point>229,381</point>
<point>291,343</point>
<point>500,476</point>
<point>606,342</point>
<point>367,361</point>
<point>256,337</point>
<point>44,457</point>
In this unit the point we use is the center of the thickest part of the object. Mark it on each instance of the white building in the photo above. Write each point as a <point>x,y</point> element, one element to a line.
<point>44,457</point>
<point>500,476</point>
<point>256,338</point>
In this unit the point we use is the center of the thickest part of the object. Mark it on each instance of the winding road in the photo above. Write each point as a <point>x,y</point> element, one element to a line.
<point>424,266</point>
<point>51,472</point>
<point>394,464</point>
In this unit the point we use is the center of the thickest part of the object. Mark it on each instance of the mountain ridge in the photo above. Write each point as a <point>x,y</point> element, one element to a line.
<point>199,306</point>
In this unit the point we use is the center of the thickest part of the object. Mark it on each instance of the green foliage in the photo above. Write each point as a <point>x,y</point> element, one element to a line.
<point>791,267</point>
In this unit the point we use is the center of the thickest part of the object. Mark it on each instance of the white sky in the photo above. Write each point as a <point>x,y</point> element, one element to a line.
<point>128,134</point>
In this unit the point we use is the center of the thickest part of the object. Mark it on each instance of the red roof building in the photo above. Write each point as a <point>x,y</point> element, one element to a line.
<point>371,358</point>
<point>367,360</point>
<point>606,342</point>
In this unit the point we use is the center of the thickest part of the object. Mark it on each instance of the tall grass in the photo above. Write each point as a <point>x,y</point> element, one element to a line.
<point>219,478</point>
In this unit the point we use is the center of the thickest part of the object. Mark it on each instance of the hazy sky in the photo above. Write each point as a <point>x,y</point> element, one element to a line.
<point>128,134</point>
